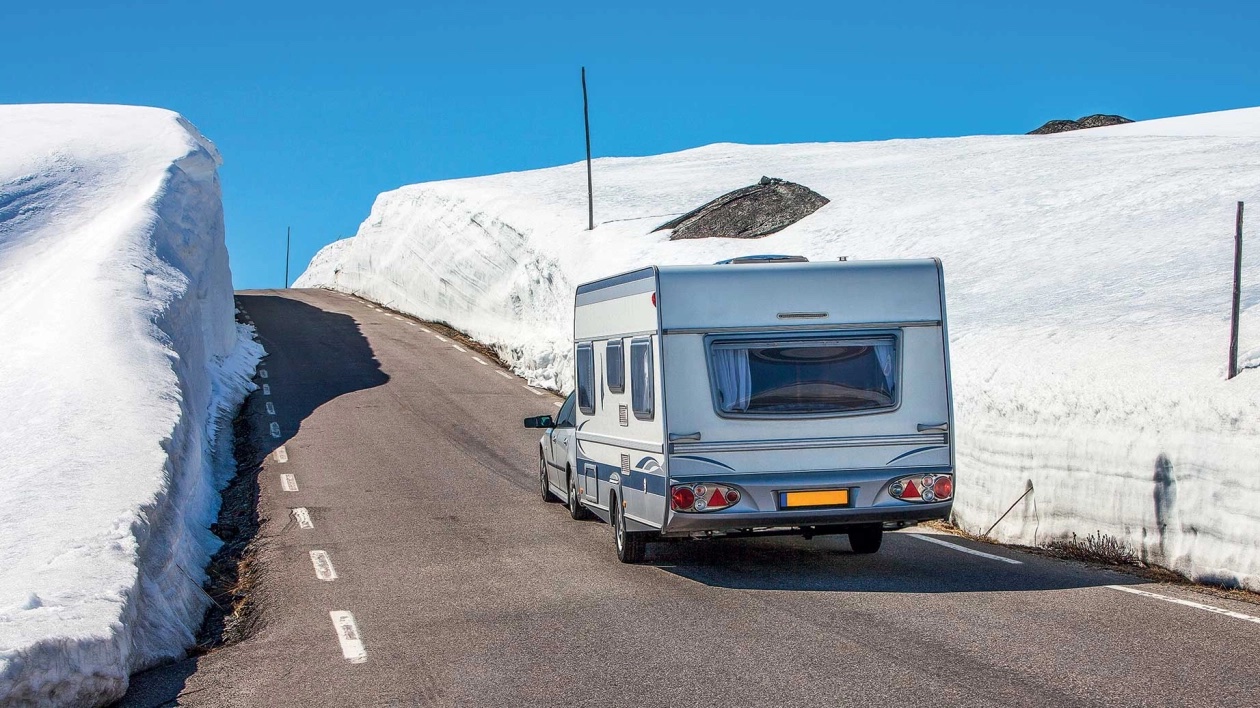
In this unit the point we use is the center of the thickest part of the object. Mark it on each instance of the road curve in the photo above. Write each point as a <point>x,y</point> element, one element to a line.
<point>467,590</point>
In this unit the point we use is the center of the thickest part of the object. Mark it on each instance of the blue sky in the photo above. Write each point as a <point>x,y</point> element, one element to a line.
<point>318,107</point>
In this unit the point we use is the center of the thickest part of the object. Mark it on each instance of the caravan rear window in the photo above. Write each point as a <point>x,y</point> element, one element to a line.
<point>586,379</point>
<point>804,376</point>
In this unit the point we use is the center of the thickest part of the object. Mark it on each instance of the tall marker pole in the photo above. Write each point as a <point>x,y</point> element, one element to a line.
<point>590,190</point>
<point>1233,323</point>
<point>288,236</point>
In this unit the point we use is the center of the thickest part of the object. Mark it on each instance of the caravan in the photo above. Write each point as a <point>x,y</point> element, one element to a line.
<point>757,396</point>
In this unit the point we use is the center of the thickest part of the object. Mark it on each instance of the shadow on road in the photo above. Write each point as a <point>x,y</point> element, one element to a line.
<point>313,357</point>
<point>904,565</point>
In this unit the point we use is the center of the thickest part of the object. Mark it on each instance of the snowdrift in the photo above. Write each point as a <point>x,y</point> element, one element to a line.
<point>122,362</point>
<point>1089,284</point>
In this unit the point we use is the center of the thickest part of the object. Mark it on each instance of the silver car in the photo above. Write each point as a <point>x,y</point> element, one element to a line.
<point>557,458</point>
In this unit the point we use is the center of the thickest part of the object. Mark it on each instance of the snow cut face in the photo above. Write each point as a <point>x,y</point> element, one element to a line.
<point>121,359</point>
<point>1088,284</point>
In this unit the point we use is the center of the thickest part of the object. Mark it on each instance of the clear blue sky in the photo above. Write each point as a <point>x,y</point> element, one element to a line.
<point>318,107</point>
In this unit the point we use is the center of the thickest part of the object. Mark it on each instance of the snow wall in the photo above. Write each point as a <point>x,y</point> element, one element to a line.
<point>123,366</point>
<point>1088,277</point>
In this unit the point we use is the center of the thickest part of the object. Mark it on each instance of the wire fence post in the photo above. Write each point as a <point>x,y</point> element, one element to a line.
<point>1233,322</point>
<point>590,190</point>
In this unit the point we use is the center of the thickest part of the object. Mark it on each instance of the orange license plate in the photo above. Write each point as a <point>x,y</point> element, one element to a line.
<point>815,499</point>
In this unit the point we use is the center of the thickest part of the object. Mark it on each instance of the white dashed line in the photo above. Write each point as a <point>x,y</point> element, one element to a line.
<point>1187,603</point>
<point>479,360</point>
<point>271,408</point>
<point>397,318</point>
<point>266,389</point>
<point>303,518</point>
<point>275,430</point>
<point>281,455</point>
<point>559,404</point>
<point>348,634</point>
<point>532,390</point>
<point>441,338</point>
<point>262,373</point>
<point>426,330</point>
<point>323,566</point>
<point>411,324</point>
<point>964,549</point>
<point>459,347</point>
<point>504,374</point>
<point>288,483</point>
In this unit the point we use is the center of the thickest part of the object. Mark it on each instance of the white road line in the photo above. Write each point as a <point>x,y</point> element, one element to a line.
<point>303,517</point>
<point>504,374</point>
<point>964,549</point>
<point>348,634</point>
<point>1187,603</point>
<point>271,408</point>
<point>288,483</point>
<point>441,338</point>
<point>532,390</point>
<point>266,389</point>
<point>459,347</point>
<point>425,330</point>
<point>397,318</point>
<point>281,455</point>
<point>412,324</point>
<point>559,404</point>
<point>323,566</point>
<point>479,360</point>
<point>275,430</point>
<point>262,373</point>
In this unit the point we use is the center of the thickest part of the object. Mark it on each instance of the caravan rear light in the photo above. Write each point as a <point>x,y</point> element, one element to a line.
<point>703,497</point>
<point>683,498</point>
<point>923,489</point>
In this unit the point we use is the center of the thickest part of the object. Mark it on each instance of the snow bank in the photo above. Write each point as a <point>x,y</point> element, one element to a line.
<point>121,363</point>
<point>1088,275</point>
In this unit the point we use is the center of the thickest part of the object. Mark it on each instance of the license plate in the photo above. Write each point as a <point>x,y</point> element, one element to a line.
<point>814,499</point>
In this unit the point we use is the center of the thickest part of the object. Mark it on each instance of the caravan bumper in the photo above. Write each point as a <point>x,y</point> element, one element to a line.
<point>680,524</point>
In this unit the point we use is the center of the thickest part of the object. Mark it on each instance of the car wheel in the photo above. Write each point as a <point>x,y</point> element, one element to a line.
<point>631,547</point>
<point>866,539</point>
<point>547,496</point>
<point>577,512</point>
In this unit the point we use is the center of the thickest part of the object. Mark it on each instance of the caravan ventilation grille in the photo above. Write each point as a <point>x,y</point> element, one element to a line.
<point>625,464</point>
<point>623,415</point>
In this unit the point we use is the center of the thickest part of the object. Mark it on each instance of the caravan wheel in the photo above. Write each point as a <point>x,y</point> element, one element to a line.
<point>577,512</point>
<point>631,547</point>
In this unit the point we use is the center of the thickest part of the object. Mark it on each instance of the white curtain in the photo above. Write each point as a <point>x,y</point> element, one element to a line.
<point>734,380</point>
<point>887,355</point>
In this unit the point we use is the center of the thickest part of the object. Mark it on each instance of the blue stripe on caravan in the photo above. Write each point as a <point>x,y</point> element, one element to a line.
<point>656,484</point>
<point>640,281</point>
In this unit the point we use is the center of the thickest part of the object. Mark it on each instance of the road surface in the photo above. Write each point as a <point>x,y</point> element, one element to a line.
<point>465,589</point>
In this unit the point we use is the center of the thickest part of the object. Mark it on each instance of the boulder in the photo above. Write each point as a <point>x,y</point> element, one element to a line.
<point>764,208</point>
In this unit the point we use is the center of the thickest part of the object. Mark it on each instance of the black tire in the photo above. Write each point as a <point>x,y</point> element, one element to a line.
<point>866,539</point>
<point>577,512</point>
<point>547,496</point>
<point>631,547</point>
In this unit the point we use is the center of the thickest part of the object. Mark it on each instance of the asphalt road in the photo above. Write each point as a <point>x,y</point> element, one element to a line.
<point>468,590</point>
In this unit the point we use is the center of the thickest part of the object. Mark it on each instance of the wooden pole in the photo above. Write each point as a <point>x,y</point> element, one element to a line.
<point>590,189</point>
<point>1233,323</point>
<point>288,236</point>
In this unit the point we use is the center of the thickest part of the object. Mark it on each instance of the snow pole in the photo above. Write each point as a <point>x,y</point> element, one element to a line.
<point>1233,322</point>
<point>590,190</point>
<point>288,236</point>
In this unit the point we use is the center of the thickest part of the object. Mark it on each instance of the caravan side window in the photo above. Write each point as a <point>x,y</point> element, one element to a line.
<point>642,380</point>
<point>616,367</point>
<point>586,378</point>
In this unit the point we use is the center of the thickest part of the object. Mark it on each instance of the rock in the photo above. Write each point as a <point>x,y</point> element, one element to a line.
<point>764,208</point>
<point>1097,120</point>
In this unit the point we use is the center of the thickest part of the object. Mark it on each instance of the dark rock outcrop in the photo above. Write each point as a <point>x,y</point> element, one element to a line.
<point>1097,120</point>
<point>751,212</point>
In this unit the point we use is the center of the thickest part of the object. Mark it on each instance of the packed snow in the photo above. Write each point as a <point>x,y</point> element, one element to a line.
<point>122,365</point>
<point>1088,275</point>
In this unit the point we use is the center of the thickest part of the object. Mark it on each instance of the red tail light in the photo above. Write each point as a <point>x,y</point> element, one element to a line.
<point>923,488</point>
<point>703,497</point>
<point>683,498</point>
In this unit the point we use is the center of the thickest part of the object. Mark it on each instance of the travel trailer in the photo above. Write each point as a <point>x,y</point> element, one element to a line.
<point>757,396</point>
